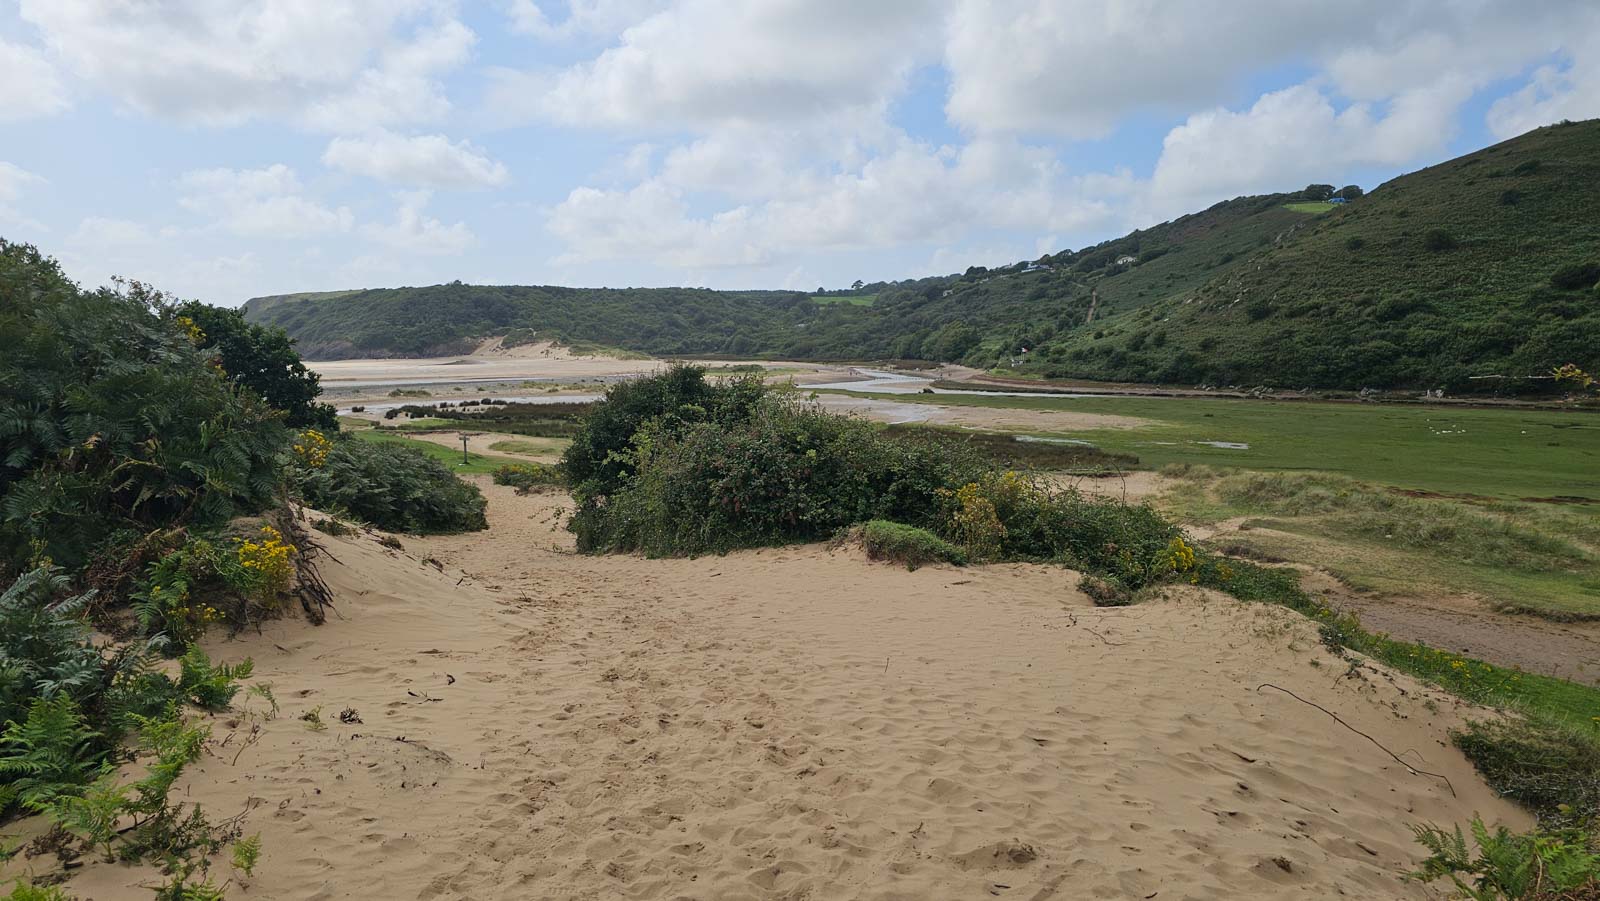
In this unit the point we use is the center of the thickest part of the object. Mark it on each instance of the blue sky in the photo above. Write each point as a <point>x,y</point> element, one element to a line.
<point>226,149</point>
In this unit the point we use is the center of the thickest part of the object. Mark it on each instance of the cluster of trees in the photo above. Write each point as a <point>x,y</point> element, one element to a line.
<point>1328,192</point>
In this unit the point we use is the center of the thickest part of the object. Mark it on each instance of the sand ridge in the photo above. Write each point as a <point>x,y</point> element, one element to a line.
<point>801,723</point>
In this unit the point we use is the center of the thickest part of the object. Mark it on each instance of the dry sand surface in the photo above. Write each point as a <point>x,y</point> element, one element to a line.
<point>801,723</point>
<point>490,361</point>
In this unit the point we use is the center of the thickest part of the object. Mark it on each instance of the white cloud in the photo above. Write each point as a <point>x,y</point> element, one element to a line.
<point>100,232</point>
<point>415,232</point>
<point>906,193</point>
<point>259,203</point>
<point>705,62</point>
<point>1078,67</point>
<point>29,85</point>
<point>1570,90</point>
<point>12,180</point>
<point>1292,137</point>
<point>583,18</point>
<point>333,64</point>
<point>430,160</point>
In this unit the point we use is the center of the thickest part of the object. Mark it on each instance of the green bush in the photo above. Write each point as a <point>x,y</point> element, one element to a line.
<point>527,476</point>
<point>111,422</point>
<point>261,359</point>
<point>1436,240</point>
<point>788,473</point>
<point>1575,276</point>
<point>907,545</point>
<point>598,457</point>
<point>392,487</point>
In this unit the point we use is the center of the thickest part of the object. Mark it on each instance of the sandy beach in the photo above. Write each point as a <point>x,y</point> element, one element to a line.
<point>525,722</point>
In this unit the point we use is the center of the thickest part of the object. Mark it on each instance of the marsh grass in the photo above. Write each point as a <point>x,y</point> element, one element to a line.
<point>1520,557</point>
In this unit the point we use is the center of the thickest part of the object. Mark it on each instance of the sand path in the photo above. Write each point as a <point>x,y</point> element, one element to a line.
<point>801,723</point>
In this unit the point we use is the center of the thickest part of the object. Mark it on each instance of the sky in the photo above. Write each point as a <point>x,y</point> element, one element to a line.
<point>223,149</point>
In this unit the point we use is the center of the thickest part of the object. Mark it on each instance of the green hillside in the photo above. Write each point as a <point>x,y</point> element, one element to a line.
<point>1481,266</point>
<point>1474,267</point>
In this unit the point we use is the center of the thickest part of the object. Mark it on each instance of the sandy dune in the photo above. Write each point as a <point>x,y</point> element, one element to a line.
<point>801,723</point>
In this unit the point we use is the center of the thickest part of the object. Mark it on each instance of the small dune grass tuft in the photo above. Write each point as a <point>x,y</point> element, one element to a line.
<point>907,545</point>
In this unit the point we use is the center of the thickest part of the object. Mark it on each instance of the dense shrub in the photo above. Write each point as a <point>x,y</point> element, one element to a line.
<point>907,545</point>
<point>1436,240</point>
<point>787,473</point>
<point>112,424</point>
<point>392,487</point>
<point>1575,276</point>
<point>676,398</point>
<point>260,359</point>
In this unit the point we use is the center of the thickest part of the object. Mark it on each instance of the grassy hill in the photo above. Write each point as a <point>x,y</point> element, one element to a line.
<point>1431,279</point>
<point>1474,267</point>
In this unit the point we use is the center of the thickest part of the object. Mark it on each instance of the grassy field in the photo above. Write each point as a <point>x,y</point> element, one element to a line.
<point>1310,206</point>
<point>476,463</point>
<point>1503,453</point>
<point>533,447</point>
<point>855,300</point>
<point>1534,558</point>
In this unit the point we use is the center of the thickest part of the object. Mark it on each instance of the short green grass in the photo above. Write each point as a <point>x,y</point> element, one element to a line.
<point>1500,453</point>
<point>451,457</point>
<point>854,300</point>
<point>533,447</point>
<point>1311,206</point>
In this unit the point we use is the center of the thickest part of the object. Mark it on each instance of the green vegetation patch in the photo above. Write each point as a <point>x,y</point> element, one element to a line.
<point>1311,206</point>
<point>1037,451</point>
<point>525,477</point>
<point>394,485</point>
<point>906,545</point>
<point>451,457</point>
<point>1502,453</point>
<point>533,447</point>
<point>855,300</point>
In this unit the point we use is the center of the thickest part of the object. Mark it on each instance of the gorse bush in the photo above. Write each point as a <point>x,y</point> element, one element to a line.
<point>112,423</point>
<point>184,591</point>
<point>392,487</point>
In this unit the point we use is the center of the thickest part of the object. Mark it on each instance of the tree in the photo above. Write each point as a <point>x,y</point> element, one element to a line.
<point>856,285</point>
<point>1317,192</point>
<point>951,342</point>
<point>1351,192</point>
<point>261,359</point>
